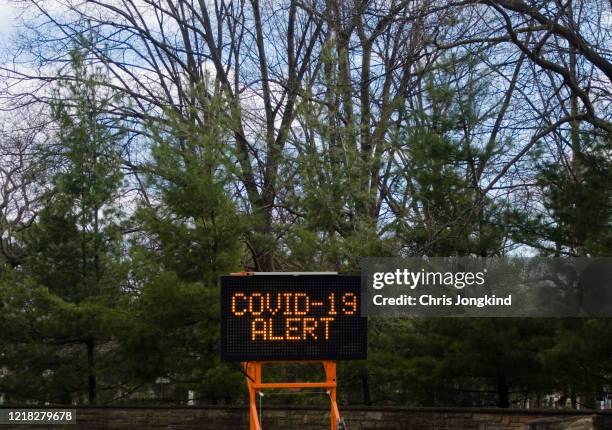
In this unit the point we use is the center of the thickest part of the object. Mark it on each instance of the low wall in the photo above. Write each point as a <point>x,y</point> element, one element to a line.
<point>311,418</point>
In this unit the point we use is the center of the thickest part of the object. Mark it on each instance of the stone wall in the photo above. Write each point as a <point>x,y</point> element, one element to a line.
<point>310,418</point>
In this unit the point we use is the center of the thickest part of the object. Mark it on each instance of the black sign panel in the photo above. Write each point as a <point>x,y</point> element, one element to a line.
<point>292,317</point>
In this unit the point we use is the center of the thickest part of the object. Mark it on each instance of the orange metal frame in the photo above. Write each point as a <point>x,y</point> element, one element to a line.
<point>255,384</point>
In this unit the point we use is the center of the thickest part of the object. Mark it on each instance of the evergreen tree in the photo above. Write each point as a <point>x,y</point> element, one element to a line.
<point>576,218</point>
<point>190,235</point>
<point>70,286</point>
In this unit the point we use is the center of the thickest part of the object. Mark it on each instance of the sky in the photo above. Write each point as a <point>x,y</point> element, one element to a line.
<point>7,19</point>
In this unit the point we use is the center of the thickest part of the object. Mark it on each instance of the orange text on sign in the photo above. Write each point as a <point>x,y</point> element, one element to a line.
<point>293,329</point>
<point>292,316</point>
<point>291,304</point>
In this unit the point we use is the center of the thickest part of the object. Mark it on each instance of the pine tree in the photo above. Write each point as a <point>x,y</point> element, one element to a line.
<point>190,234</point>
<point>70,285</point>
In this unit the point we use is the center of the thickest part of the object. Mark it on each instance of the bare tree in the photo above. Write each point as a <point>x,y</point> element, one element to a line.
<point>22,175</point>
<point>356,66</point>
<point>162,54</point>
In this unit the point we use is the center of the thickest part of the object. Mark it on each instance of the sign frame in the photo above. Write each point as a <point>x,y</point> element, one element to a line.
<point>301,281</point>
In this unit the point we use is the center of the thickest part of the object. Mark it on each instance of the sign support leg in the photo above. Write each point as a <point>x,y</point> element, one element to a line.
<point>253,373</point>
<point>330,378</point>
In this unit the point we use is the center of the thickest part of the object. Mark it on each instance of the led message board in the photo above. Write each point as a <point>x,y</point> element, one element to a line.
<point>292,317</point>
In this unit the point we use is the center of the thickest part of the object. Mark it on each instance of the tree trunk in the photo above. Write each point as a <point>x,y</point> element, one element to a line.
<point>365,386</point>
<point>91,373</point>
<point>264,243</point>
<point>503,392</point>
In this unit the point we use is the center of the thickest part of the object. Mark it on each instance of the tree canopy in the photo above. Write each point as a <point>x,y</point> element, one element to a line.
<point>147,147</point>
